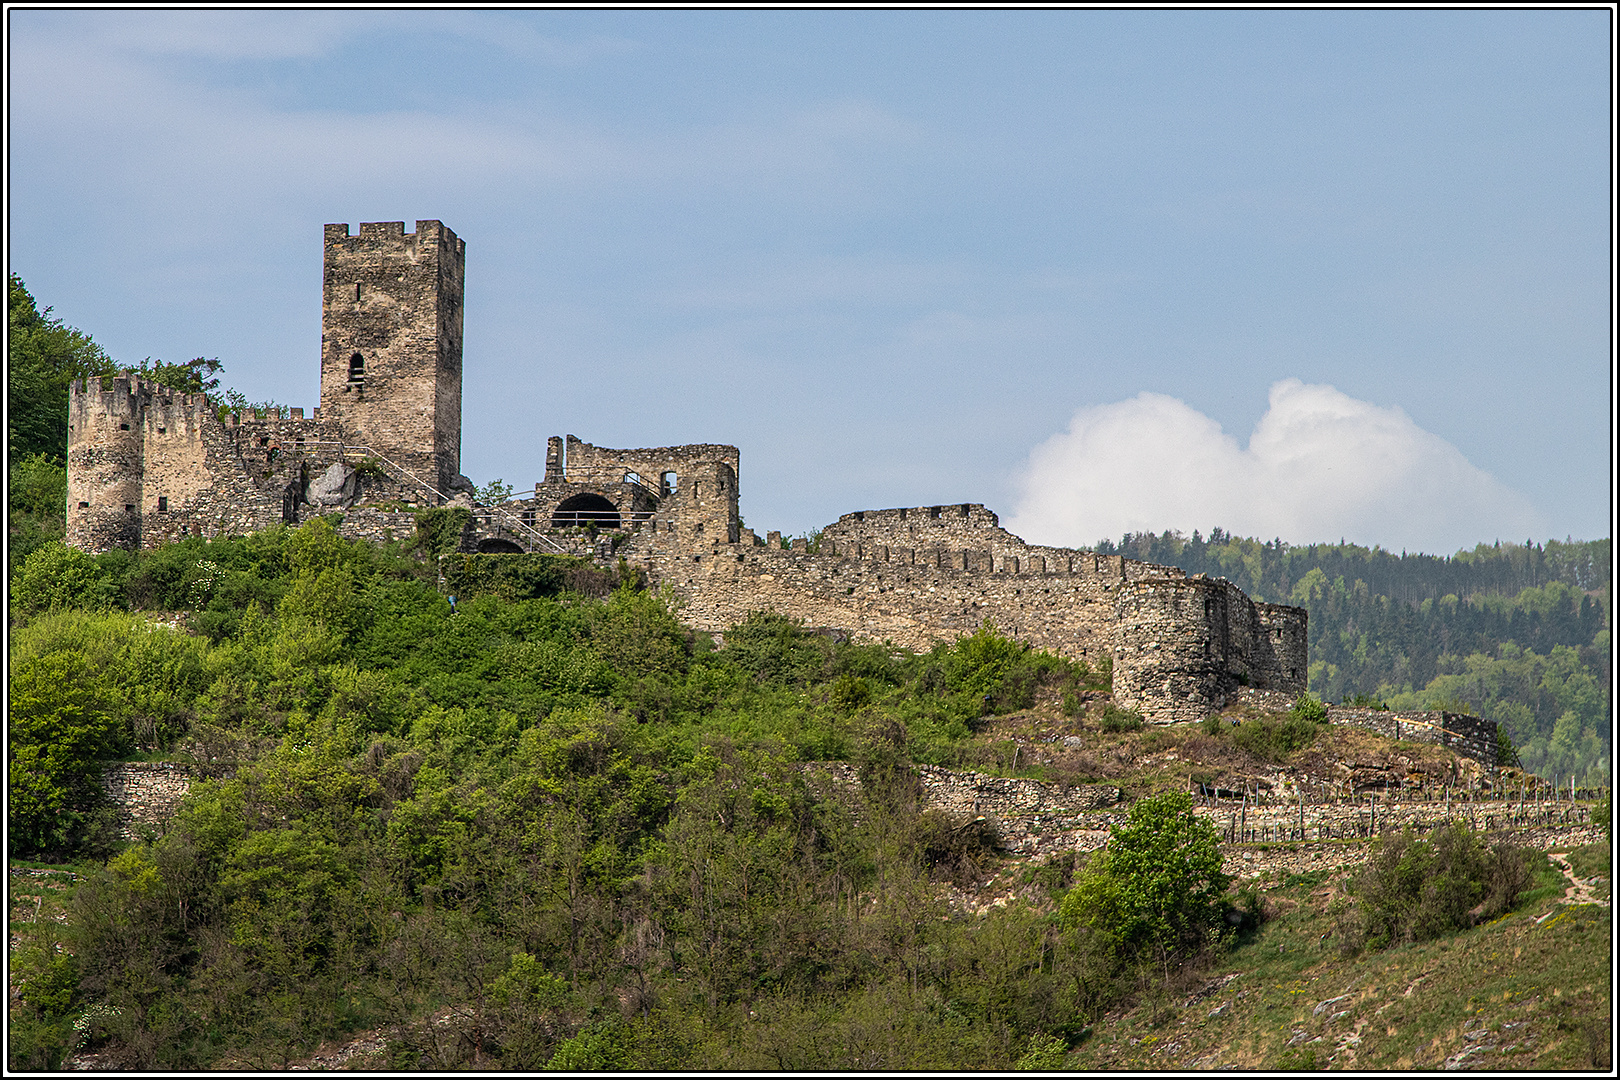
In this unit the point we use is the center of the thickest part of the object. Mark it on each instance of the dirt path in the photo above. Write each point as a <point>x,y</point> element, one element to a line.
<point>1579,892</point>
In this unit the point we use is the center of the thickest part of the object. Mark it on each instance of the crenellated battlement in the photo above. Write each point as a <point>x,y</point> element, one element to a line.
<point>391,236</point>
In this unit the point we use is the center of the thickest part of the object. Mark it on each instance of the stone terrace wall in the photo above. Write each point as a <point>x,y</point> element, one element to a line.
<point>145,794</point>
<point>1035,818</point>
<point>378,526</point>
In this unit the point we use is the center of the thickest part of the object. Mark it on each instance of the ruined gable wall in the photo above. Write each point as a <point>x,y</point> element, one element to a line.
<point>701,509</point>
<point>587,464</point>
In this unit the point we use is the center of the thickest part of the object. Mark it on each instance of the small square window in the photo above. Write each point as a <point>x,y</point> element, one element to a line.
<point>123,427</point>
<point>84,506</point>
<point>129,508</point>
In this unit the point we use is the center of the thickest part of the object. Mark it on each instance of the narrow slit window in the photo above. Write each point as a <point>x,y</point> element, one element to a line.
<point>357,368</point>
<point>357,292</point>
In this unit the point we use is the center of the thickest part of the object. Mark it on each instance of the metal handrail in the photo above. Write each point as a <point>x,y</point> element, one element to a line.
<point>344,448</point>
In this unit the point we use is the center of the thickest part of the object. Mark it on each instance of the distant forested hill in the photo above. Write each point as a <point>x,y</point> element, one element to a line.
<point>1519,634</point>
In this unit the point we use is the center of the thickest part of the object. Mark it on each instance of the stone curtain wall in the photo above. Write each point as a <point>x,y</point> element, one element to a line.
<point>1468,736</point>
<point>1179,645</point>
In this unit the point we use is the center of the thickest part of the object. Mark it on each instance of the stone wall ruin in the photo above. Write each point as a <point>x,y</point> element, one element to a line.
<point>148,466</point>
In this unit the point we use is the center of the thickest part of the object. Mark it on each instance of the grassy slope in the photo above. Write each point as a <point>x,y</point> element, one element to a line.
<point>1529,991</point>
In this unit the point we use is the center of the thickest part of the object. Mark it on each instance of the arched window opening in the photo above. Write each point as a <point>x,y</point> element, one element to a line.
<point>357,368</point>
<point>496,545</point>
<point>582,511</point>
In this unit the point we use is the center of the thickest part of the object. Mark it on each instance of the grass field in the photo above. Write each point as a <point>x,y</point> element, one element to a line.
<point>1530,991</point>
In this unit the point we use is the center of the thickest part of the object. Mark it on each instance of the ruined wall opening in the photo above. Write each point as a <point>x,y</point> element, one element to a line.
<point>666,484</point>
<point>357,368</point>
<point>585,510</point>
<point>498,546</point>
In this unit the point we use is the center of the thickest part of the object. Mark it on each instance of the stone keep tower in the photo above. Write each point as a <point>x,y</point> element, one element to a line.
<point>391,344</point>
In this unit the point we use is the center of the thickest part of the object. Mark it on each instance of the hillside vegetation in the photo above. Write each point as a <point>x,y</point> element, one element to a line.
<point>554,828</point>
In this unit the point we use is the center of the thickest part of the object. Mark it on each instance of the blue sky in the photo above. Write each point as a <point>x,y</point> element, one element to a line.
<point>1309,274</point>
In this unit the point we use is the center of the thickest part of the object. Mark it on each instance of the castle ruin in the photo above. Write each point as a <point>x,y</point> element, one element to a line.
<point>147,466</point>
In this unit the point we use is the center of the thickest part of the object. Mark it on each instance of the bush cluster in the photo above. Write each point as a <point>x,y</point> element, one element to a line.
<point>1271,738</point>
<point>1416,888</point>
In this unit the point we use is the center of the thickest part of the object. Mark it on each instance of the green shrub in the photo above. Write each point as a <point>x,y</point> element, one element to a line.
<point>992,673</point>
<point>59,736</point>
<point>1045,1054</point>
<point>439,530</point>
<point>849,693</point>
<point>1416,889</point>
<point>38,486</point>
<point>1115,720</point>
<point>981,662</point>
<point>1308,709</point>
<point>1506,753</point>
<point>56,577</point>
<point>1158,885</point>
<point>513,577</point>
<point>1272,739</point>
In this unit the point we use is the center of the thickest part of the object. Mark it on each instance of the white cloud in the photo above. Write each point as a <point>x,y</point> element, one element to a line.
<point>1319,465</point>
